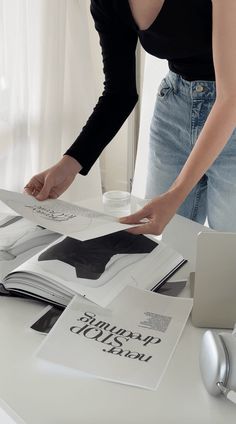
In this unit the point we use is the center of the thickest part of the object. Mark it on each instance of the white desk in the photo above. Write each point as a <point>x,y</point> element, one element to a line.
<point>47,396</point>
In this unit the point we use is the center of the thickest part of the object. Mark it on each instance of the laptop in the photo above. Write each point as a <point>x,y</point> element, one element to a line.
<point>213,285</point>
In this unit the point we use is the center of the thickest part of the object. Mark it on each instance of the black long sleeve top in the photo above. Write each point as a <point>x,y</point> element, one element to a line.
<point>181,33</point>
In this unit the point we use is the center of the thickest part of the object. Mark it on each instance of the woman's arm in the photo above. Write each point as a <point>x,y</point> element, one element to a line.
<point>118,43</point>
<point>216,131</point>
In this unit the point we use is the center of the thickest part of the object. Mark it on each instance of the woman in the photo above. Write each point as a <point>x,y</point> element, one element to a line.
<point>192,161</point>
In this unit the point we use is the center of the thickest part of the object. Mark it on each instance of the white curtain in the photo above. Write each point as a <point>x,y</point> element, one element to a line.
<point>48,88</point>
<point>154,70</point>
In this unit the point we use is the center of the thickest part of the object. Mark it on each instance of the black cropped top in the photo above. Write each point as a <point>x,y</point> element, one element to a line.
<point>181,33</point>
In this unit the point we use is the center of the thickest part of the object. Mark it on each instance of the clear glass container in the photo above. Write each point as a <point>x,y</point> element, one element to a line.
<point>116,202</point>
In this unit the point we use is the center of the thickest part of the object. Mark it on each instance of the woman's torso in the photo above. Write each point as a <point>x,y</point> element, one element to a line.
<point>181,33</point>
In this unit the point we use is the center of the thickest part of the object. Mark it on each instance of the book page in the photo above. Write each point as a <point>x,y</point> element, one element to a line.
<point>20,239</point>
<point>130,342</point>
<point>97,269</point>
<point>8,416</point>
<point>62,217</point>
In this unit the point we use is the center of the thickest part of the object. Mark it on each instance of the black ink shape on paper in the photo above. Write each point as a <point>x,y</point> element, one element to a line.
<point>11,221</point>
<point>47,321</point>
<point>90,257</point>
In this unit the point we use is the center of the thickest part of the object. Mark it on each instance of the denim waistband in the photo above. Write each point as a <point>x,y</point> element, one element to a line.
<point>197,89</point>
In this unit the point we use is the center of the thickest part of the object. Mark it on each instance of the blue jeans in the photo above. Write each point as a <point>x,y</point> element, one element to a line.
<point>181,110</point>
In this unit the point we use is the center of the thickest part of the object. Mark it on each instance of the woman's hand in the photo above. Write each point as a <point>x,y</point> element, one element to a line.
<point>155,215</point>
<point>52,182</point>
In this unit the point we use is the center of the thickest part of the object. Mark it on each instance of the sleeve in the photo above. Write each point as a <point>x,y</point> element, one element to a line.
<point>118,43</point>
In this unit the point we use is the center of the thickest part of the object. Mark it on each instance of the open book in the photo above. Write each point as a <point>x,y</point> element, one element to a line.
<point>97,269</point>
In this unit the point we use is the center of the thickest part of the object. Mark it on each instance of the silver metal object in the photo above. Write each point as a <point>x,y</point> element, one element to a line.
<point>199,88</point>
<point>214,364</point>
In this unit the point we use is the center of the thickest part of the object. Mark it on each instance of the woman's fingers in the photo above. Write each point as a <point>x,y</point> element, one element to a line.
<point>146,228</point>
<point>53,194</point>
<point>135,218</point>
<point>44,193</point>
<point>52,182</point>
<point>142,217</point>
<point>33,187</point>
<point>29,190</point>
<point>152,218</point>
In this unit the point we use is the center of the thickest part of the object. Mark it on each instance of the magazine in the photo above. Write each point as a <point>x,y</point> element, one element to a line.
<point>97,269</point>
<point>130,342</point>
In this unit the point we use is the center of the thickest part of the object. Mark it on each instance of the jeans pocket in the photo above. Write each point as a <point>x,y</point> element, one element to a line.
<point>164,89</point>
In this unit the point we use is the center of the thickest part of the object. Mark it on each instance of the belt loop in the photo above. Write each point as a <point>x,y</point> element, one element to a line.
<point>192,84</point>
<point>175,80</point>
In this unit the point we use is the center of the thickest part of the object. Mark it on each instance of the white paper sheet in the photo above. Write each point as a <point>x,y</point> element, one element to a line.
<point>62,217</point>
<point>130,343</point>
<point>8,416</point>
